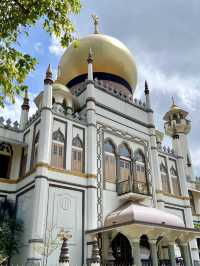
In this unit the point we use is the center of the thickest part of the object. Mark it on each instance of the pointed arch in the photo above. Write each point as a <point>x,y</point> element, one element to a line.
<point>6,154</point>
<point>125,172</point>
<point>140,180</point>
<point>164,177</point>
<point>58,149</point>
<point>77,154</point>
<point>124,150</point>
<point>110,162</point>
<point>58,136</point>
<point>122,251</point>
<point>175,180</point>
<point>36,145</point>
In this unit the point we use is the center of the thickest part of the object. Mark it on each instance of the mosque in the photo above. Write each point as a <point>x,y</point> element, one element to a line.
<point>90,163</point>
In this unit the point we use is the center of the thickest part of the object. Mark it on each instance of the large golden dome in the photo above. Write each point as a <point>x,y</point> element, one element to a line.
<point>110,56</point>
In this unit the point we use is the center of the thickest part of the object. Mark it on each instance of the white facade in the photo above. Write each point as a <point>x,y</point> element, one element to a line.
<point>56,172</point>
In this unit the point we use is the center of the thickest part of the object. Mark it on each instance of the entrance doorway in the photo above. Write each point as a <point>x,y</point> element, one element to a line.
<point>122,251</point>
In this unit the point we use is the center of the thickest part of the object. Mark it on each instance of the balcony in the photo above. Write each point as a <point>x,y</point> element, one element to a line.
<point>132,189</point>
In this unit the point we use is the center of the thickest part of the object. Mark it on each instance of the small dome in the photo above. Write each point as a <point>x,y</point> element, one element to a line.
<point>110,57</point>
<point>60,90</point>
<point>137,213</point>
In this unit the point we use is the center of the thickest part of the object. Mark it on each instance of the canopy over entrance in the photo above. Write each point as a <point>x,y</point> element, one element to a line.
<point>130,212</point>
<point>135,220</point>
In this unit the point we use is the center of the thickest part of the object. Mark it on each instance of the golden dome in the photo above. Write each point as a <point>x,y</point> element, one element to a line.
<point>110,56</point>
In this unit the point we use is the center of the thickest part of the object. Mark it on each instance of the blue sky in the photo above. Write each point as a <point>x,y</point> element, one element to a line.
<point>164,38</point>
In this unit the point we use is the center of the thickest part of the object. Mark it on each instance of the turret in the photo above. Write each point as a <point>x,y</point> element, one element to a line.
<point>146,92</point>
<point>178,126</point>
<point>24,111</point>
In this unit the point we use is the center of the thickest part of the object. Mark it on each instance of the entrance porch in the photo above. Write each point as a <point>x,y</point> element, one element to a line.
<point>131,237</point>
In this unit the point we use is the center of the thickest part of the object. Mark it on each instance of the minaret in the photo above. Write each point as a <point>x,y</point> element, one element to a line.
<point>178,126</point>
<point>91,144</point>
<point>40,198</point>
<point>24,111</point>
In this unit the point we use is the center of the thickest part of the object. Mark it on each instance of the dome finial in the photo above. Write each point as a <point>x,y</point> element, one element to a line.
<point>96,23</point>
<point>173,102</point>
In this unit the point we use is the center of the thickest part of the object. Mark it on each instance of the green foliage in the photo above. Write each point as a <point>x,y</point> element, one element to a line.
<point>10,230</point>
<point>197,226</point>
<point>16,17</point>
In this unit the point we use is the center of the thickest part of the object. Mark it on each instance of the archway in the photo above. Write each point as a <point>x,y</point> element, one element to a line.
<point>122,250</point>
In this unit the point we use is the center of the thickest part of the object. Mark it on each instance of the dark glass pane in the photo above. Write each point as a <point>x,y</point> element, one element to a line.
<point>124,151</point>
<point>108,147</point>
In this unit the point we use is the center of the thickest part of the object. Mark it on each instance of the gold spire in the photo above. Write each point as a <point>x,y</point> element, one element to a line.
<point>96,23</point>
<point>48,78</point>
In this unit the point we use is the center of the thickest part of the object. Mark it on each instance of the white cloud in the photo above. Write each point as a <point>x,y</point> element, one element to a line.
<point>196,159</point>
<point>55,47</point>
<point>38,47</point>
<point>13,111</point>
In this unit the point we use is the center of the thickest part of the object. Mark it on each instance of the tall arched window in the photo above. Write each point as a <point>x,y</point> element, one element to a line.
<point>175,181</point>
<point>125,169</point>
<point>109,162</point>
<point>57,151</point>
<point>35,148</point>
<point>77,154</point>
<point>24,161</point>
<point>6,153</point>
<point>140,168</point>
<point>164,178</point>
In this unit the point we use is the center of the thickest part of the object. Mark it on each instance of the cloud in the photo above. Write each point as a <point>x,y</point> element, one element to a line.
<point>38,47</point>
<point>13,111</point>
<point>196,159</point>
<point>55,47</point>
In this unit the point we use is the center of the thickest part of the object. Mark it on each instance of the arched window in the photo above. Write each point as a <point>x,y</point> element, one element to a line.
<point>109,162</point>
<point>57,151</point>
<point>24,161</point>
<point>6,153</point>
<point>140,168</point>
<point>35,151</point>
<point>175,181</point>
<point>164,178</point>
<point>125,162</point>
<point>77,154</point>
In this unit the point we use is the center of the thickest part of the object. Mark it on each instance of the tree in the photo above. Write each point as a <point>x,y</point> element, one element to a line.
<point>10,230</point>
<point>16,18</point>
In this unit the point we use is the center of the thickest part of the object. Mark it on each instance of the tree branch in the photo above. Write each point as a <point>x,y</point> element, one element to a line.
<point>21,6</point>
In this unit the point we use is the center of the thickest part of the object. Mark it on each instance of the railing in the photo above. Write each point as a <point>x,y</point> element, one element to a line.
<point>128,186</point>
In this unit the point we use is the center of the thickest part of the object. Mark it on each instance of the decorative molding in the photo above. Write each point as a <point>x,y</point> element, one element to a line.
<point>130,118</point>
<point>100,137</point>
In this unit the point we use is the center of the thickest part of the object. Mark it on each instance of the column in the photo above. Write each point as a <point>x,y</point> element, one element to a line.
<point>172,254</point>
<point>154,255</point>
<point>185,253</point>
<point>136,252</point>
